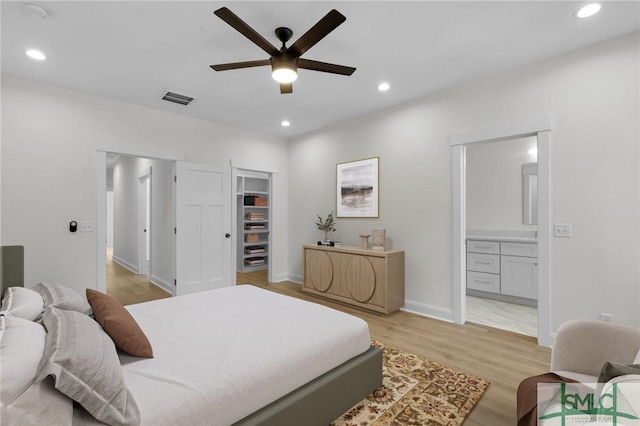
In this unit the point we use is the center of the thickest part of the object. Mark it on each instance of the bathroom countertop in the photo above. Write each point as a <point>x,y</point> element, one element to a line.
<point>498,235</point>
<point>508,239</point>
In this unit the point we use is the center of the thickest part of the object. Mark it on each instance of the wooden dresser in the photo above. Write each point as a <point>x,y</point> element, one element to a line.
<point>367,279</point>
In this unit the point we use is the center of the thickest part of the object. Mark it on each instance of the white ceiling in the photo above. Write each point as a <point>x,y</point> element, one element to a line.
<point>133,51</point>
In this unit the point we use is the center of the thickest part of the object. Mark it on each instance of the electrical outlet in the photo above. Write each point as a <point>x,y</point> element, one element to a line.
<point>606,317</point>
<point>562,230</point>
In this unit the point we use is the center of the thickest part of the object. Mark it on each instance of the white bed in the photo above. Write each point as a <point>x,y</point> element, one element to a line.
<point>221,356</point>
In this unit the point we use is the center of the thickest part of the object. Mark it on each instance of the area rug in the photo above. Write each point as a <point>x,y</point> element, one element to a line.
<point>415,391</point>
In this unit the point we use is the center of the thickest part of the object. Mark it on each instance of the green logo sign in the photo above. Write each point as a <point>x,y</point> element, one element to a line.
<point>574,404</point>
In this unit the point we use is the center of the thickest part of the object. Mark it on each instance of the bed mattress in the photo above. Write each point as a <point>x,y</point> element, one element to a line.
<point>221,355</point>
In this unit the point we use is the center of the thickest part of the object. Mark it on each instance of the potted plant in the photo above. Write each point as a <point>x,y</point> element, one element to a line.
<point>326,225</point>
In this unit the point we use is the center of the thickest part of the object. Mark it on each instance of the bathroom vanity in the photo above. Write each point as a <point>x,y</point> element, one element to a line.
<point>503,266</point>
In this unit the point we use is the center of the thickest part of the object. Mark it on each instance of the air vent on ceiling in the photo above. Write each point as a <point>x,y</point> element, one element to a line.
<point>177,98</point>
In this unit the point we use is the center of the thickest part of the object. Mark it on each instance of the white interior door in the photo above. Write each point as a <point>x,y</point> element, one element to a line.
<point>203,227</point>
<point>144,223</point>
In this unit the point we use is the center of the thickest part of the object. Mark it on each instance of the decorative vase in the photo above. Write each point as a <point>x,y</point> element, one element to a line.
<point>364,241</point>
<point>326,236</point>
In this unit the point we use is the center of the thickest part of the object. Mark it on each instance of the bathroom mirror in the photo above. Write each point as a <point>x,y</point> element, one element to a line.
<point>530,194</point>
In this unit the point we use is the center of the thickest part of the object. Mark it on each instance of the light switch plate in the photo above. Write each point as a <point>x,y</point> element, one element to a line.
<point>85,227</point>
<point>562,230</point>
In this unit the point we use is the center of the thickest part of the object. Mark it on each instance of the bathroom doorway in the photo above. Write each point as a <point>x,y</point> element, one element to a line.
<point>540,126</point>
<point>501,234</point>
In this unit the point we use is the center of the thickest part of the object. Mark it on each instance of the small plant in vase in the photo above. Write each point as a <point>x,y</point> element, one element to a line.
<point>326,225</point>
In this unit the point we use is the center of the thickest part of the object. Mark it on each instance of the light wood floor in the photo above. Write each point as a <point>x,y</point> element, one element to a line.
<point>129,287</point>
<point>501,357</point>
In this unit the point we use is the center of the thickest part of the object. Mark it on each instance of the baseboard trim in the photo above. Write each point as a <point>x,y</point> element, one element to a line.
<point>425,310</point>
<point>295,278</point>
<point>410,306</point>
<point>165,285</point>
<point>133,268</point>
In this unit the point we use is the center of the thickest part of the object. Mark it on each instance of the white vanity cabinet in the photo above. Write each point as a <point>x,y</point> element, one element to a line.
<point>519,276</point>
<point>503,270</point>
<point>483,266</point>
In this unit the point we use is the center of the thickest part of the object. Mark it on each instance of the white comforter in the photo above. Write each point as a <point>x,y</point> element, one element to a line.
<point>223,354</point>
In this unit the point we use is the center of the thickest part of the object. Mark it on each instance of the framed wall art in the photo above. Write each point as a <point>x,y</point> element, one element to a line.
<point>357,188</point>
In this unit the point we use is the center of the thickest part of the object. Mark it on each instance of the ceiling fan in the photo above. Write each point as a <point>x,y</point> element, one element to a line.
<point>286,60</point>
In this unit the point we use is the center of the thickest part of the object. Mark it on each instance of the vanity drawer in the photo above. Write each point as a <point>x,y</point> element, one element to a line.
<point>519,249</point>
<point>480,262</point>
<point>483,282</point>
<point>476,246</point>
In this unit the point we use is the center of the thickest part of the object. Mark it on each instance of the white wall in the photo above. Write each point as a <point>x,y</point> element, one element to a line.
<point>163,253</point>
<point>593,96</point>
<point>494,184</point>
<point>110,219</point>
<point>49,141</point>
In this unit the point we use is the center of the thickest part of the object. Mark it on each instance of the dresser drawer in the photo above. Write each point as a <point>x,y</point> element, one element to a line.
<point>519,249</point>
<point>483,282</point>
<point>489,247</point>
<point>483,262</point>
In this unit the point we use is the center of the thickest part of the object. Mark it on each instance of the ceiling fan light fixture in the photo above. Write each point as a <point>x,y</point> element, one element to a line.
<point>284,73</point>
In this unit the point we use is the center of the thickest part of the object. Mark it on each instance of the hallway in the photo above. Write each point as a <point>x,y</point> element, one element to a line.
<point>129,287</point>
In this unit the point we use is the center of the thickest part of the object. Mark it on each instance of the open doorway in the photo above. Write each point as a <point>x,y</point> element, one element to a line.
<point>501,235</point>
<point>140,257</point>
<point>253,226</point>
<point>540,126</point>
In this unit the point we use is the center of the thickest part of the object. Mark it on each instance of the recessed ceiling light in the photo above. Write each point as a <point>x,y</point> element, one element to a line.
<point>36,54</point>
<point>383,87</point>
<point>285,123</point>
<point>588,10</point>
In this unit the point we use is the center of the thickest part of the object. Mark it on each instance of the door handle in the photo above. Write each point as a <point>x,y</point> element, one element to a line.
<point>227,235</point>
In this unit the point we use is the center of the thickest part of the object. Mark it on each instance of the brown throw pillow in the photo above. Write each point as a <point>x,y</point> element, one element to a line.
<point>118,323</point>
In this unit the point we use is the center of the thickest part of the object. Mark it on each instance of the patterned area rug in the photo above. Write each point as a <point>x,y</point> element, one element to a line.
<point>415,391</point>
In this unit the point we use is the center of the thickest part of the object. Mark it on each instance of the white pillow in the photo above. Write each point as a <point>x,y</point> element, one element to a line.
<point>21,349</point>
<point>40,405</point>
<point>85,365</point>
<point>61,297</point>
<point>22,303</point>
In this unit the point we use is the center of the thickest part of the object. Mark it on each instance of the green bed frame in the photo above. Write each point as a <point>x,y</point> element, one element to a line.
<point>326,398</point>
<point>11,267</point>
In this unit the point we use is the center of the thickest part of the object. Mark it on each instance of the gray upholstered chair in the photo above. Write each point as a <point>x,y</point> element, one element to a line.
<point>581,348</point>
<point>580,351</point>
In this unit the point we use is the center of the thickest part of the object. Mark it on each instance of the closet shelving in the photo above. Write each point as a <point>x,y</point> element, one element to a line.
<point>253,221</point>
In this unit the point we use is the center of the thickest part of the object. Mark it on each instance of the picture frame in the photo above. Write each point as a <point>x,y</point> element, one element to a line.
<point>357,185</point>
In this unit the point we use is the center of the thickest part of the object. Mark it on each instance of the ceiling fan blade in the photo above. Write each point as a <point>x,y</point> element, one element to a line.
<point>232,19</point>
<point>286,88</point>
<point>324,26</point>
<point>308,64</point>
<point>238,65</point>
